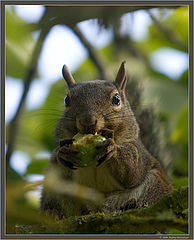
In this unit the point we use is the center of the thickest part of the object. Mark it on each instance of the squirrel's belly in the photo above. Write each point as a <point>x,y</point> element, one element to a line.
<point>98,178</point>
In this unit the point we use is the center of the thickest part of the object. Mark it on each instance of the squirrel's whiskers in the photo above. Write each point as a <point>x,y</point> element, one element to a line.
<point>123,171</point>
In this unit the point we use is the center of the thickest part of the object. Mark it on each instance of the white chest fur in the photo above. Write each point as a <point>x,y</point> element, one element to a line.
<point>99,178</point>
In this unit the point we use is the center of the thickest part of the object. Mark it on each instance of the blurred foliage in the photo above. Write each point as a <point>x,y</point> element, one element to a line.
<point>176,24</point>
<point>180,138</point>
<point>19,45</point>
<point>169,97</point>
<point>169,215</point>
<point>38,125</point>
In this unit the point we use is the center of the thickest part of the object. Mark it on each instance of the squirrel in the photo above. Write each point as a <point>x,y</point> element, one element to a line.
<point>126,173</point>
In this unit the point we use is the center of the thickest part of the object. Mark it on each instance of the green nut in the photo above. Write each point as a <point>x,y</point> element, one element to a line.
<point>86,145</point>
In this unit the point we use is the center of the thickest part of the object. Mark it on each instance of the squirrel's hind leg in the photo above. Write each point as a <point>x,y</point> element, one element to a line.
<point>153,188</point>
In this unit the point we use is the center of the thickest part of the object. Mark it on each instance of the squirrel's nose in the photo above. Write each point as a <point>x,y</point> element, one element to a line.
<point>87,120</point>
<point>87,124</point>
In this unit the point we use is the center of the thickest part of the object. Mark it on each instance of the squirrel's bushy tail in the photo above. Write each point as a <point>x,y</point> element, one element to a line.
<point>152,132</point>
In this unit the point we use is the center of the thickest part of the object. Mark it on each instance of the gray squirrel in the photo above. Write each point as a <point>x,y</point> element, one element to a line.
<point>126,174</point>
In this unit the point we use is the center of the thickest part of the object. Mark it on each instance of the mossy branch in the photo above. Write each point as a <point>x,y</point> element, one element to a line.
<point>169,214</point>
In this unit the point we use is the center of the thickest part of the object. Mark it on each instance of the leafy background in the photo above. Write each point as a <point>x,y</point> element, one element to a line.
<point>29,131</point>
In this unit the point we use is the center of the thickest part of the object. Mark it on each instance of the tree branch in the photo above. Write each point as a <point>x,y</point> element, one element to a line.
<point>168,214</point>
<point>14,124</point>
<point>92,53</point>
<point>169,33</point>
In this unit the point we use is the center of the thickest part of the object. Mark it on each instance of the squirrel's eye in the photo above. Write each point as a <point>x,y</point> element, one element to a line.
<point>67,101</point>
<point>116,99</point>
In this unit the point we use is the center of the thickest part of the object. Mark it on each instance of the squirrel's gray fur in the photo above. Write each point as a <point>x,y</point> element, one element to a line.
<point>126,173</point>
<point>152,130</point>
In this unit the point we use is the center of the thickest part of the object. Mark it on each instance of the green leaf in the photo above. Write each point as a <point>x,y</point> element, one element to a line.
<point>87,71</point>
<point>37,126</point>
<point>37,166</point>
<point>169,95</point>
<point>179,138</point>
<point>19,44</point>
<point>179,182</point>
<point>180,134</point>
<point>12,175</point>
<point>179,21</point>
<point>177,27</point>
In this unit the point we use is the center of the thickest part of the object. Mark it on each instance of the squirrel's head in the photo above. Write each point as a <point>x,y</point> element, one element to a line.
<point>94,105</point>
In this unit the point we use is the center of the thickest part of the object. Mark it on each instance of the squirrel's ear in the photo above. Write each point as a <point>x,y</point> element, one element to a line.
<point>121,79</point>
<point>67,76</point>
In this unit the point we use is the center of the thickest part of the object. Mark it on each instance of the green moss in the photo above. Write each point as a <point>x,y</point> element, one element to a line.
<point>169,215</point>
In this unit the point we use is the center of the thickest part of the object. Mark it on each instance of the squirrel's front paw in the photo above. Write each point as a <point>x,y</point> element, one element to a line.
<point>67,156</point>
<point>109,150</point>
<point>107,133</point>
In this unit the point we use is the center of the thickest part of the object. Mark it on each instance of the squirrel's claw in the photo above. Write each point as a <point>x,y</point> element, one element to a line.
<point>67,164</point>
<point>107,133</point>
<point>66,142</point>
<point>109,149</point>
<point>67,150</point>
<point>108,143</point>
<point>66,156</point>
